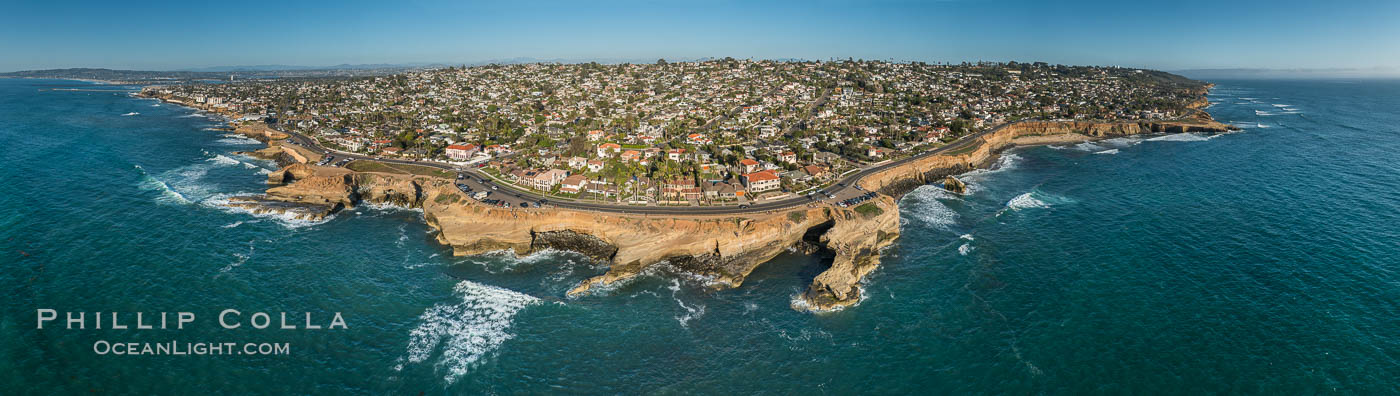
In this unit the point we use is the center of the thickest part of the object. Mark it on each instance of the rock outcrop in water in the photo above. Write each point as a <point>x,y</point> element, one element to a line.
<point>293,210</point>
<point>953,185</point>
<point>856,237</point>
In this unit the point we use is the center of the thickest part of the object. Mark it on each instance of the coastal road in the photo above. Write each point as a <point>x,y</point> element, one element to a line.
<point>843,189</point>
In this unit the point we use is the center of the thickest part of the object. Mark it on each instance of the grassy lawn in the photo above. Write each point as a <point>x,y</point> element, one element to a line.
<point>967,149</point>
<point>446,198</point>
<point>373,166</point>
<point>869,210</point>
<point>797,216</point>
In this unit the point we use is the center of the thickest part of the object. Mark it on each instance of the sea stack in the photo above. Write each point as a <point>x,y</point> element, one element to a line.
<point>952,184</point>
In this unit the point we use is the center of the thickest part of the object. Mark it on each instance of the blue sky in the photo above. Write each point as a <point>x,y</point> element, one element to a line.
<point>1162,35</point>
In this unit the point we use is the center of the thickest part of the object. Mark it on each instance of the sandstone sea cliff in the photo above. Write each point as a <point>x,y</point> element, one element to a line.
<point>721,248</point>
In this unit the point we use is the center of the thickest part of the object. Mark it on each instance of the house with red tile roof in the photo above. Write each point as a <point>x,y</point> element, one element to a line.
<point>461,152</point>
<point>750,166</point>
<point>762,181</point>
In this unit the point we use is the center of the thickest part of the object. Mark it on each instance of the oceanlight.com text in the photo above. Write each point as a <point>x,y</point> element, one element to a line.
<point>174,348</point>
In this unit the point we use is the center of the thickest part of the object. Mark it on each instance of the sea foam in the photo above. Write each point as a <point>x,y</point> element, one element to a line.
<point>286,220</point>
<point>1122,142</point>
<point>167,194</point>
<point>1180,137</point>
<point>924,205</point>
<point>237,141</point>
<point>1034,199</point>
<point>1005,162</point>
<point>1026,201</point>
<point>691,312</point>
<point>1087,146</point>
<point>465,333</point>
<point>220,159</point>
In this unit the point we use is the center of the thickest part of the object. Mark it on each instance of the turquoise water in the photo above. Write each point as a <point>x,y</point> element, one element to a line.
<point>1263,261</point>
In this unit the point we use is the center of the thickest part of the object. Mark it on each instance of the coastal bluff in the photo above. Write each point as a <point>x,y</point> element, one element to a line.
<point>897,180</point>
<point>722,249</point>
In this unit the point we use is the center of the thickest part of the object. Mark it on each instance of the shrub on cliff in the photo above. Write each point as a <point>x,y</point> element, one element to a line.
<point>446,199</point>
<point>797,216</point>
<point>869,210</point>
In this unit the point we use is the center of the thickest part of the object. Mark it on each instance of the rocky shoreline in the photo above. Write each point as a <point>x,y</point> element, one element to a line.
<point>723,248</point>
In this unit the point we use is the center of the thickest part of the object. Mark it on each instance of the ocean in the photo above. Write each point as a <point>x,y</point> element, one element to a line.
<point>1263,261</point>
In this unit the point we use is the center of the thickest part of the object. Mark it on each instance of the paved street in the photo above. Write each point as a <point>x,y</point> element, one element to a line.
<point>480,181</point>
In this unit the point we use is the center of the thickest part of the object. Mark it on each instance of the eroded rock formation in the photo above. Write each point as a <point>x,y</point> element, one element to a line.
<point>724,249</point>
<point>953,185</point>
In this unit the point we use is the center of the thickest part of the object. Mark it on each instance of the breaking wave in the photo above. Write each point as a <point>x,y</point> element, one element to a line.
<point>1109,152</point>
<point>237,140</point>
<point>505,260</point>
<point>465,333</point>
<point>1007,161</point>
<point>924,205</point>
<point>183,185</point>
<point>1180,137</point>
<point>167,194</point>
<point>130,114</point>
<point>1122,142</point>
<point>1033,200</point>
<point>799,304</point>
<point>1026,201</point>
<point>390,207</point>
<point>286,220</point>
<point>1087,146</point>
<point>221,159</point>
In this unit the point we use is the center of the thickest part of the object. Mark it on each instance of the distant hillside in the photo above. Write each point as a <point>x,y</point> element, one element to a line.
<point>178,76</point>
<point>266,68</point>
<point>110,74</point>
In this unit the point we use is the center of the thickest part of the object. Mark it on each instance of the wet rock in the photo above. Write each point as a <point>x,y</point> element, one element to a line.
<point>295,210</point>
<point>588,245</point>
<point>953,185</point>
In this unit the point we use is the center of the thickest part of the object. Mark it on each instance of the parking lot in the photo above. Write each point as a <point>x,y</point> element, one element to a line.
<point>494,194</point>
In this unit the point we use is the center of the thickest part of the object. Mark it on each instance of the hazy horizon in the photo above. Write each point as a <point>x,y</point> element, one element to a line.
<point>1194,35</point>
<point>1205,73</point>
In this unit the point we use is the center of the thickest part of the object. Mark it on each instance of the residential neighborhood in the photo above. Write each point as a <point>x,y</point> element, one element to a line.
<point>714,132</point>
